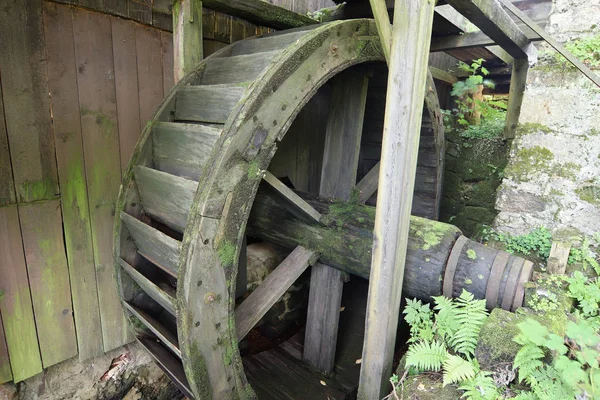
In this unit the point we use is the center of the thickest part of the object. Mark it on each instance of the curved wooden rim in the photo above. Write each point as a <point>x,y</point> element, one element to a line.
<point>511,283</point>
<point>451,265</point>
<point>493,284</point>
<point>526,273</point>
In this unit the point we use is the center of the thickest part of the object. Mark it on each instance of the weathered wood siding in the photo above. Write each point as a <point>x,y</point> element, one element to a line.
<point>79,80</point>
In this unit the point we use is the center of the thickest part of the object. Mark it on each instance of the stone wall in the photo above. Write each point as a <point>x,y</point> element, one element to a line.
<point>553,176</point>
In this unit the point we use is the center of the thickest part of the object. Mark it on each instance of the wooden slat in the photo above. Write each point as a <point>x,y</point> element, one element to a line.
<point>62,78</point>
<point>166,336</point>
<point>149,68</point>
<point>166,40</point>
<point>207,103</point>
<point>468,40</point>
<point>15,299</point>
<point>26,102</point>
<point>411,35</point>
<point>5,371</point>
<point>236,69</point>
<point>97,105</point>
<point>493,21</point>
<point>182,149</point>
<point>260,12</point>
<point>518,82</point>
<point>273,287</point>
<point>153,244</point>
<point>367,186</point>
<point>169,364</point>
<point>442,75</point>
<point>267,43</point>
<point>338,178</point>
<point>7,185</point>
<point>167,198</point>
<point>187,36</point>
<point>152,290</point>
<point>299,205</point>
<point>552,42</point>
<point>126,83</point>
<point>41,226</point>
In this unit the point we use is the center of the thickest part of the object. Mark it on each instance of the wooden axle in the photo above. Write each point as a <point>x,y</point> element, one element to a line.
<point>439,259</point>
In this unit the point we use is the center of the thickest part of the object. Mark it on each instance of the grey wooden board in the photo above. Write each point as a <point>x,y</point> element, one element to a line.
<point>271,289</point>
<point>165,197</point>
<point>7,185</point>
<point>168,363</point>
<point>367,186</point>
<point>165,335</point>
<point>153,244</point>
<point>156,293</point>
<point>207,103</point>
<point>236,69</point>
<point>182,149</point>
<point>298,204</point>
<point>267,43</point>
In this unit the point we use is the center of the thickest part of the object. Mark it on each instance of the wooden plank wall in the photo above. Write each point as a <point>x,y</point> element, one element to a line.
<point>61,160</point>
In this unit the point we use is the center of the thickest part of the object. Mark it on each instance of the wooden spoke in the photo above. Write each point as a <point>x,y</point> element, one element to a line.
<point>298,204</point>
<point>274,286</point>
<point>167,337</point>
<point>368,184</point>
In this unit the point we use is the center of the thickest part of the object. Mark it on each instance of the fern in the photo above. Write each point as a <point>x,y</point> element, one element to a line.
<point>457,369</point>
<point>418,316</point>
<point>470,315</point>
<point>426,356</point>
<point>446,323</point>
<point>481,387</point>
<point>527,360</point>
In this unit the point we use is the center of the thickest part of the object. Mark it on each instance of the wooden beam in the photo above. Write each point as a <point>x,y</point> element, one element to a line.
<point>500,53</point>
<point>552,42</point>
<point>411,37</point>
<point>518,81</point>
<point>491,18</point>
<point>273,287</point>
<point>338,178</point>
<point>384,27</point>
<point>442,75</point>
<point>187,36</point>
<point>298,204</point>
<point>261,13</point>
<point>368,184</point>
<point>475,39</point>
<point>559,256</point>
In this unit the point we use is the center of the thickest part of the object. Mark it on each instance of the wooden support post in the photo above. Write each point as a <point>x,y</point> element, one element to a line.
<point>559,256</point>
<point>338,177</point>
<point>384,28</point>
<point>411,35</point>
<point>518,81</point>
<point>187,36</point>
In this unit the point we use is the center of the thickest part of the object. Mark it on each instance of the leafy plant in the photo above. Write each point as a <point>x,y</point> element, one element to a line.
<point>584,256</point>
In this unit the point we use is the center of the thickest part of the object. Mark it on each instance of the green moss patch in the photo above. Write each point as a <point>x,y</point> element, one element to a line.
<point>528,161</point>
<point>533,127</point>
<point>590,193</point>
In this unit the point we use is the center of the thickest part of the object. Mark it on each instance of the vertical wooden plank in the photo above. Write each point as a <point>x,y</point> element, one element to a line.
<point>7,185</point>
<point>518,81</point>
<point>62,76</point>
<point>5,371</point>
<point>41,226</point>
<point>126,84</point>
<point>15,299</point>
<point>187,35</point>
<point>166,40</point>
<point>338,178</point>
<point>411,35</point>
<point>27,114</point>
<point>150,74</point>
<point>97,105</point>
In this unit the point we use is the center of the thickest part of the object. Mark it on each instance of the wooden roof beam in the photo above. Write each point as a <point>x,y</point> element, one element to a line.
<point>475,39</point>
<point>490,17</point>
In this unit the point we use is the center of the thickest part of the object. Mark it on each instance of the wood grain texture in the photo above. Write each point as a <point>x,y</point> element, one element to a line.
<point>559,256</point>
<point>411,37</point>
<point>15,299</point>
<point>126,85</point>
<point>25,83</point>
<point>255,306</point>
<point>149,68</point>
<point>207,103</point>
<point>298,205</point>
<point>518,82</point>
<point>236,69</point>
<point>5,371</point>
<point>165,197</point>
<point>266,43</point>
<point>153,244</point>
<point>187,36</point>
<point>166,336</point>
<point>7,185</point>
<point>98,109</point>
<point>62,78</point>
<point>367,186</point>
<point>182,149</point>
<point>48,273</point>
<point>166,40</point>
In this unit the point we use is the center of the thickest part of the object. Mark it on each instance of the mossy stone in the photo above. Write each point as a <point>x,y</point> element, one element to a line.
<point>429,387</point>
<point>590,193</point>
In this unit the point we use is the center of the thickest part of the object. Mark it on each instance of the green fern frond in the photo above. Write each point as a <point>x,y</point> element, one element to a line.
<point>481,387</point>
<point>426,356</point>
<point>527,361</point>
<point>457,369</point>
<point>470,315</point>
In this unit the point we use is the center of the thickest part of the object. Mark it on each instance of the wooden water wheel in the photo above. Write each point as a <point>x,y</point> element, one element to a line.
<point>189,189</point>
